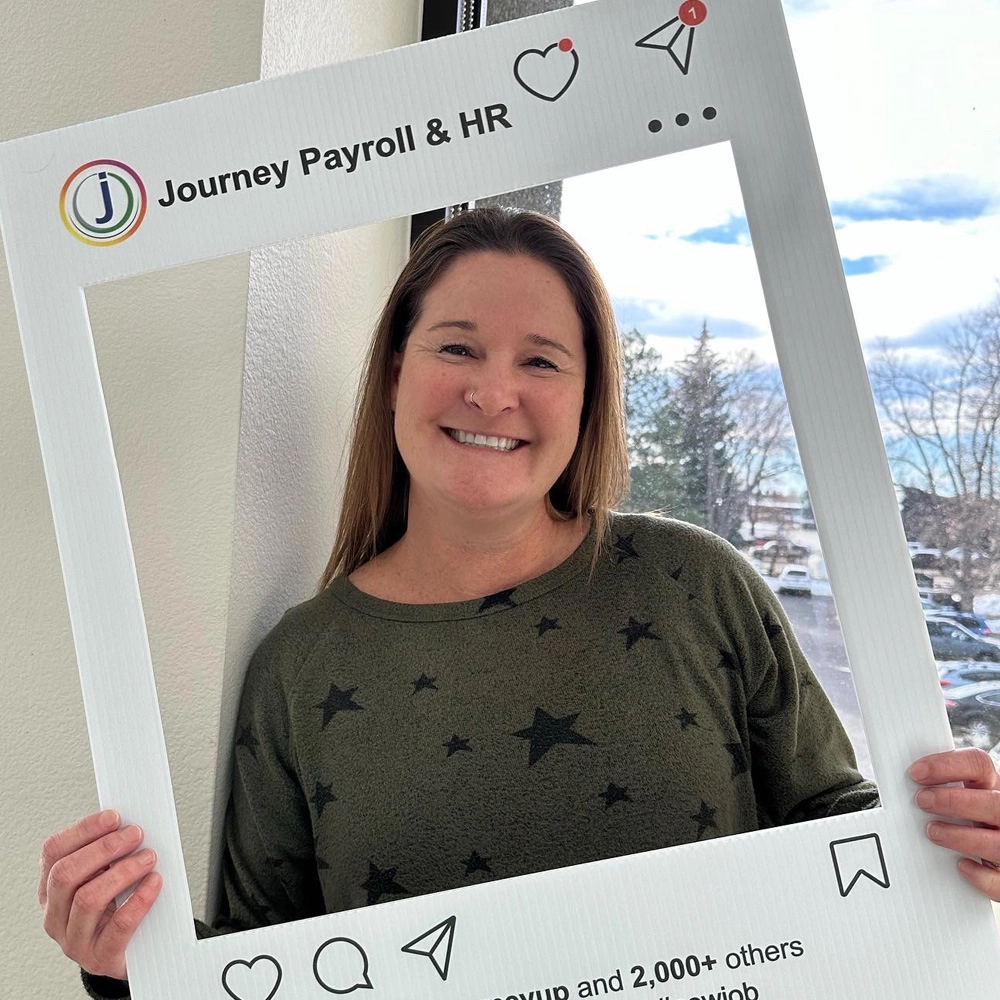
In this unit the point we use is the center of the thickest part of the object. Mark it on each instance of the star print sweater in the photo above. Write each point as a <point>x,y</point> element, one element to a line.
<point>385,750</point>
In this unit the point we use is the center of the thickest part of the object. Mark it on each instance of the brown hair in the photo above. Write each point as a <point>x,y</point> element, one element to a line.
<point>373,512</point>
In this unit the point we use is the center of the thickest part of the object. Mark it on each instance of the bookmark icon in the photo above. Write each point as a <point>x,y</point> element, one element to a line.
<point>855,857</point>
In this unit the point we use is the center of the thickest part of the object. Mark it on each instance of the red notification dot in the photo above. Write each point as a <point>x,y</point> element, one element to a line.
<point>565,44</point>
<point>692,12</point>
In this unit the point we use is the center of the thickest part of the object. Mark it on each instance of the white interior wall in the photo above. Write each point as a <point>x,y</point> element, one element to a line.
<point>231,521</point>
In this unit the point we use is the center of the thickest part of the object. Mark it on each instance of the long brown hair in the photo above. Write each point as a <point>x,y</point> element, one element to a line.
<point>373,512</point>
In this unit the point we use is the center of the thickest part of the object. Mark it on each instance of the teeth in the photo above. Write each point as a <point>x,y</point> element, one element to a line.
<point>497,443</point>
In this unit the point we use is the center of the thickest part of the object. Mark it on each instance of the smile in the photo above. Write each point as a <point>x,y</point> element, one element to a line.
<point>484,441</point>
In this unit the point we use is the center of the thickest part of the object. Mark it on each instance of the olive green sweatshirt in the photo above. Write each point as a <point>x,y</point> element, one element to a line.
<point>385,750</point>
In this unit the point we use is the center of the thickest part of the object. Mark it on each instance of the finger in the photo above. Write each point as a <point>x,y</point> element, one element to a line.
<point>71,839</point>
<point>68,874</point>
<point>961,803</point>
<point>93,903</point>
<point>977,841</point>
<point>114,936</point>
<point>970,765</point>
<point>982,877</point>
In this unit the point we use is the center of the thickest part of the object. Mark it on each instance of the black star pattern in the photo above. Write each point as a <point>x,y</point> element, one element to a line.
<point>423,681</point>
<point>248,740</point>
<point>322,795</point>
<point>455,744</point>
<point>687,718</point>
<point>728,662</point>
<point>613,794</point>
<point>494,600</point>
<point>545,624</point>
<point>546,731</point>
<point>274,862</point>
<point>771,627</point>
<point>740,763</point>
<point>382,883</point>
<point>623,548</point>
<point>805,681</point>
<point>705,817</point>
<point>635,631</point>
<point>320,864</point>
<point>338,701</point>
<point>474,863</point>
<point>676,575</point>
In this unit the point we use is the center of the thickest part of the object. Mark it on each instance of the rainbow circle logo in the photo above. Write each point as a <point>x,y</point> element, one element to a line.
<point>103,202</point>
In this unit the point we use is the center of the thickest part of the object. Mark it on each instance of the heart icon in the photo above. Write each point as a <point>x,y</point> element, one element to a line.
<point>544,75</point>
<point>243,982</point>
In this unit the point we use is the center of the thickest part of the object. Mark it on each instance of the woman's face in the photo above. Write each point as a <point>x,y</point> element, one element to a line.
<point>506,328</point>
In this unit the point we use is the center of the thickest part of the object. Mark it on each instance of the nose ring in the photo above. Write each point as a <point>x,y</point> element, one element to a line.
<point>472,397</point>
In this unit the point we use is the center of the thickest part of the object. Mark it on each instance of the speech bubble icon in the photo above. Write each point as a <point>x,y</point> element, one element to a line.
<point>340,965</point>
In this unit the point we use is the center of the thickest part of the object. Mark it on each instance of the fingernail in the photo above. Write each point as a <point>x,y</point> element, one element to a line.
<point>131,835</point>
<point>925,799</point>
<point>919,771</point>
<point>146,856</point>
<point>966,867</point>
<point>108,819</point>
<point>935,831</point>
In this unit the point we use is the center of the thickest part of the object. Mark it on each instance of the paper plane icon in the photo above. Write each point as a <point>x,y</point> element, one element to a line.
<point>435,944</point>
<point>678,41</point>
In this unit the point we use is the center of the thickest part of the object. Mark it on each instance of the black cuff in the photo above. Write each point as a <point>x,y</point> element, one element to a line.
<point>104,987</point>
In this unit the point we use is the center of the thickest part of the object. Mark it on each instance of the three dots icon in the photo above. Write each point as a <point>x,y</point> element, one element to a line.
<point>682,119</point>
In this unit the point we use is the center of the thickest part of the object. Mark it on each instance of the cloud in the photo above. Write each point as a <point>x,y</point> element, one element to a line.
<point>805,6</point>
<point>929,200</point>
<point>929,336</point>
<point>735,231</point>
<point>794,7</point>
<point>863,265</point>
<point>650,319</point>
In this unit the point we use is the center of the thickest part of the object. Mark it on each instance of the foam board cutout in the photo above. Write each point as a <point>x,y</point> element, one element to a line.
<point>854,906</point>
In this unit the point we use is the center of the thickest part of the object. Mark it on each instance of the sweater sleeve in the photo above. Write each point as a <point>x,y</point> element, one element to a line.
<point>802,760</point>
<point>268,861</point>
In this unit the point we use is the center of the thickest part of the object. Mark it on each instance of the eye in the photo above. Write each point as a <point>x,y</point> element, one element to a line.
<point>541,362</point>
<point>464,351</point>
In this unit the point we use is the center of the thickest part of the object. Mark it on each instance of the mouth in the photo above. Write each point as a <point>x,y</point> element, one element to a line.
<point>487,442</point>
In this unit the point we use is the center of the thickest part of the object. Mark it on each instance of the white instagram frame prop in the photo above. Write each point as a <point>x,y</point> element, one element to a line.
<point>870,902</point>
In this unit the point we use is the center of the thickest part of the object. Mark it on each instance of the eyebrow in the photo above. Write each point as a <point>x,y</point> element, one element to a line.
<point>534,338</point>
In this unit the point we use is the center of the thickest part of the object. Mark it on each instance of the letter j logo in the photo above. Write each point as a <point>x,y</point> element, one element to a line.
<point>103,202</point>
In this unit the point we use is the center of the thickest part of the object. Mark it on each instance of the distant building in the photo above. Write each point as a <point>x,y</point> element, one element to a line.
<point>771,515</point>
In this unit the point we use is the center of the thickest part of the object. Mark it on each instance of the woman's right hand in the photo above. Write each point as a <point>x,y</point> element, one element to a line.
<point>83,869</point>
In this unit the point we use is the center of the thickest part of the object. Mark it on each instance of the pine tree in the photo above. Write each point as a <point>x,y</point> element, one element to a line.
<point>653,479</point>
<point>697,430</point>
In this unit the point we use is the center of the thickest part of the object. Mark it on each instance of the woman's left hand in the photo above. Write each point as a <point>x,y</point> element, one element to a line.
<point>978,801</point>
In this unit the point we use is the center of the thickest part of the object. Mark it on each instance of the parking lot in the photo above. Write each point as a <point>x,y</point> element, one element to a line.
<point>815,625</point>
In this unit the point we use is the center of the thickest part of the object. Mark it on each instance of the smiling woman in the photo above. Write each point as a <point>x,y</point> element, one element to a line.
<point>499,674</point>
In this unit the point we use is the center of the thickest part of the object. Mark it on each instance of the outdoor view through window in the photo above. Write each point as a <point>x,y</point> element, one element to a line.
<point>711,439</point>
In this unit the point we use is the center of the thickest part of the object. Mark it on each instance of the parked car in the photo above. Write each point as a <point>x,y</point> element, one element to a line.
<point>940,596</point>
<point>951,641</point>
<point>959,674</point>
<point>795,579</point>
<point>974,623</point>
<point>974,713</point>
<point>926,558</point>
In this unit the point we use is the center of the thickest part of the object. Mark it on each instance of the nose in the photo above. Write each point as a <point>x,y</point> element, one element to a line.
<point>496,390</point>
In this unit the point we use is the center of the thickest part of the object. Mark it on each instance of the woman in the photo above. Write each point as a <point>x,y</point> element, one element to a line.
<point>500,675</point>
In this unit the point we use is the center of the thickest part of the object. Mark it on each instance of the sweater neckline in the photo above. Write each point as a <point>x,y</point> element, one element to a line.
<point>478,607</point>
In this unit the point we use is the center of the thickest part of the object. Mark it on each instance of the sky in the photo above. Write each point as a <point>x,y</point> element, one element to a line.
<point>903,98</point>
